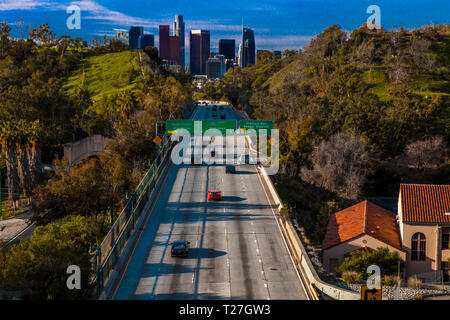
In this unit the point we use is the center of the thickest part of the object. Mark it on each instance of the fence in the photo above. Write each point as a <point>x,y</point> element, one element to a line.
<point>113,244</point>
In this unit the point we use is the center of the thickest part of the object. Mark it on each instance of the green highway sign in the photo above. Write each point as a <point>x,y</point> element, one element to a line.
<point>222,125</point>
<point>200,126</point>
<point>256,125</point>
<point>173,125</point>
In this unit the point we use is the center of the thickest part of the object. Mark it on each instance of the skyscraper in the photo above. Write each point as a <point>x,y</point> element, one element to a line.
<point>169,46</point>
<point>248,52</point>
<point>213,68</point>
<point>133,36</point>
<point>221,58</point>
<point>146,40</point>
<point>227,47</point>
<point>178,30</point>
<point>164,42</point>
<point>199,44</point>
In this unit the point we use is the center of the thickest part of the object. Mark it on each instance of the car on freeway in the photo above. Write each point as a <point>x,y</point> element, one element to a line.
<point>230,169</point>
<point>214,114</point>
<point>223,116</point>
<point>193,161</point>
<point>245,159</point>
<point>213,153</point>
<point>214,195</point>
<point>180,248</point>
<point>214,107</point>
<point>221,108</point>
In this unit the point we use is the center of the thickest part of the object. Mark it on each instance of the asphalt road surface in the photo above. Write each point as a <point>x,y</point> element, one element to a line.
<point>237,250</point>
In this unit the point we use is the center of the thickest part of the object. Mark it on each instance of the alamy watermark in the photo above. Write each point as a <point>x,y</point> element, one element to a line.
<point>74,20</point>
<point>374,21</point>
<point>230,148</point>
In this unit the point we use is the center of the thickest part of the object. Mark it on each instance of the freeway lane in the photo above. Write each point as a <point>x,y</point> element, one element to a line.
<point>237,251</point>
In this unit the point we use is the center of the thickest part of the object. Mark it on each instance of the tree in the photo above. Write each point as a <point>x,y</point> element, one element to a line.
<point>37,267</point>
<point>360,260</point>
<point>339,165</point>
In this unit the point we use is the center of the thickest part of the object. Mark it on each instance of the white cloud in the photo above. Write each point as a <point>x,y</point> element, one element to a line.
<point>282,42</point>
<point>8,5</point>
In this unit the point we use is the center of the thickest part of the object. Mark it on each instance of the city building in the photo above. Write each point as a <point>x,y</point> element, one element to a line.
<point>247,55</point>
<point>364,226</point>
<point>169,46</point>
<point>199,47</point>
<point>239,57</point>
<point>213,68</point>
<point>133,36</point>
<point>424,219</point>
<point>146,40</point>
<point>221,58</point>
<point>178,30</point>
<point>229,63</point>
<point>227,47</point>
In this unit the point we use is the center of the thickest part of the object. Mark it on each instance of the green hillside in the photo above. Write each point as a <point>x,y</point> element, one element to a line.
<point>104,74</point>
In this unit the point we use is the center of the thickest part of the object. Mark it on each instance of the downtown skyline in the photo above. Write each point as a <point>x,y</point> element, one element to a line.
<point>278,25</point>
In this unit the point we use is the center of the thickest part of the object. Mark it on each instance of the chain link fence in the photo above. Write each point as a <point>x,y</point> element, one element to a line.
<point>111,248</point>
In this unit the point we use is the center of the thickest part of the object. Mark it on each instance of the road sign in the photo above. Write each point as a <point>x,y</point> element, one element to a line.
<point>194,126</point>
<point>157,140</point>
<point>173,125</point>
<point>371,294</point>
<point>222,125</point>
<point>256,125</point>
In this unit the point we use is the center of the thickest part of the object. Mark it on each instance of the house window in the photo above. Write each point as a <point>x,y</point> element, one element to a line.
<point>445,238</point>
<point>418,243</point>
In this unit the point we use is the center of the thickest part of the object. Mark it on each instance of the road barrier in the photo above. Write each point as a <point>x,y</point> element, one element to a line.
<point>112,247</point>
<point>311,280</point>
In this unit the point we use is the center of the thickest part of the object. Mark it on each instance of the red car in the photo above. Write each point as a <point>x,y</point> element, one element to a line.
<point>214,195</point>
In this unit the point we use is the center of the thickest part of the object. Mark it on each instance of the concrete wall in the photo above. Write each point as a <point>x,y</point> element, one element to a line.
<point>339,251</point>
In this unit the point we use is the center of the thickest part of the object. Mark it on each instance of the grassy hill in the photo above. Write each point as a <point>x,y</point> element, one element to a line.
<point>104,74</point>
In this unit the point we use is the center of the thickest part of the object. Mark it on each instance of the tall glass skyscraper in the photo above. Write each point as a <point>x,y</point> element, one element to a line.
<point>133,36</point>
<point>199,44</point>
<point>227,47</point>
<point>178,30</point>
<point>248,50</point>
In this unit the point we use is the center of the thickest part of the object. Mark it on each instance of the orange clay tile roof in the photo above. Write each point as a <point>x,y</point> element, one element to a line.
<point>425,203</point>
<point>362,218</point>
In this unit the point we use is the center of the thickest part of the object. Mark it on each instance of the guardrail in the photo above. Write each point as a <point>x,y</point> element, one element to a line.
<point>113,244</point>
<point>302,261</point>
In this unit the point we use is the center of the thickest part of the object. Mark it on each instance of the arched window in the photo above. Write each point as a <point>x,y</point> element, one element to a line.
<point>418,244</point>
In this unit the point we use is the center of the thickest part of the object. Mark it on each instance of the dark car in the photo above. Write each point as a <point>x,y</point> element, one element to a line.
<point>193,161</point>
<point>180,248</point>
<point>223,116</point>
<point>213,153</point>
<point>214,114</point>
<point>230,169</point>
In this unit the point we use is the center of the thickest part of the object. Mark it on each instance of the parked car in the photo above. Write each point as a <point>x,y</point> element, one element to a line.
<point>230,169</point>
<point>214,195</point>
<point>180,248</point>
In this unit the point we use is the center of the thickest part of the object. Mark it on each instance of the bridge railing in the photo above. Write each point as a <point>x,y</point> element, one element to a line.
<point>114,242</point>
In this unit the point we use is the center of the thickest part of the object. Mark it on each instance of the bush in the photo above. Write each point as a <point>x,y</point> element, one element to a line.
<point>360,260</point>
<point>414,283</point>
<point>389,280</point>
<point>350,277</point>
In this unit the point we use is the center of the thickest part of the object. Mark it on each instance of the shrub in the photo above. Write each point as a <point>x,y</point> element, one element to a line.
<point>350,277</point>
<point>360,260</point>
<point>414,283</point>
<point>389,280</point>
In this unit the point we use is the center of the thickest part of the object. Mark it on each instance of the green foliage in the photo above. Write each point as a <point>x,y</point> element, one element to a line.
<point>360,260</point>
<point>104,74</point>
<point>37,267</point>
<point>351,277</point>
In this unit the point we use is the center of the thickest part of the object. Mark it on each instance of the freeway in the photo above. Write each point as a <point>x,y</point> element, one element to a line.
<point>237,250</point>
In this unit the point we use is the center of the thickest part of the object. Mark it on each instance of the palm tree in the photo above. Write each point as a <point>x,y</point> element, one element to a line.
<point>8,141</point>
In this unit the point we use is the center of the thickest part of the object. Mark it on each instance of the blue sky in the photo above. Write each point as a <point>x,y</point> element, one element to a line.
<point>278,24</point>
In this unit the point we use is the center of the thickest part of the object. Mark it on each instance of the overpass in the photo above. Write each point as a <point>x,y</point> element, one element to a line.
<point>82,149</point>
<point>237,250</point>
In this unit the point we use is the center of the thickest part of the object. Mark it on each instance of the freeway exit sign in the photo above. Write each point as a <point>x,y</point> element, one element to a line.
<point>197,127</point>
<point>246,125</point>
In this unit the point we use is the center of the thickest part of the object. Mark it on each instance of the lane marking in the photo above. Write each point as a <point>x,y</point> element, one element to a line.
<point>282,235</point>
<point>142,230</point>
